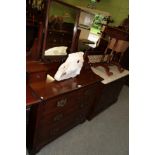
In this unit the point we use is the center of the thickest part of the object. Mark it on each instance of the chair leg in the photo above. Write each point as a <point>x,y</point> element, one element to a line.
<point>120,69</point>
<point>107,69</point>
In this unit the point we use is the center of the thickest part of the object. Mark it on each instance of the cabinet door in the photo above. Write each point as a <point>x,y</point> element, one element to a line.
<point>108,95</point>
<point>111,92</point>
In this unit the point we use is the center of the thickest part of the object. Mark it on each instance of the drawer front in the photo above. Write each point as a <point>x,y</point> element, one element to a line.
<point>56,117</point>
<point>33,77</point>
<point>47,133</point>
<point>59,104</point>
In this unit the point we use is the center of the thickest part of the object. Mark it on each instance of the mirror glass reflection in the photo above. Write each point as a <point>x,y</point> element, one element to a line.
<point>61,20</point>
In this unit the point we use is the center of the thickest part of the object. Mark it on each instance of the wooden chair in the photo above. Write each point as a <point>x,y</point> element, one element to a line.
<point>118,44</point>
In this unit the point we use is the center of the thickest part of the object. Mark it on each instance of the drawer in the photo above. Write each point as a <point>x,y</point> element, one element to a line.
<point>61,103</point>
<point>47,133</point>
<point>56,117</point>
<point>38,76</point>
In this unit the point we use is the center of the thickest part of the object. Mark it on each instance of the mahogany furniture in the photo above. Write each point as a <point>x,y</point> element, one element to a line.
<point>63,37</point>
<point>117,45</point>
<point>31,98</point>
<point>61,105</point>
<point>112,47</point>
<point>108,96</point>
<point>54,107</point>
<point>35,14</point>
<point>39,34</point>
<point>60,33</point>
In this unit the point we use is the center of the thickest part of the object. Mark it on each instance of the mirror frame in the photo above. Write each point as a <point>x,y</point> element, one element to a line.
<point>75,30</point>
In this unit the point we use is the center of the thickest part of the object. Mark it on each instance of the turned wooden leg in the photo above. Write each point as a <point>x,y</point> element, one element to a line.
<point>107,69</point>
<point>119,67</point>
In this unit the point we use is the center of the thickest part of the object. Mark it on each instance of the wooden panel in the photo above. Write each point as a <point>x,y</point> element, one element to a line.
<point>108,94</point>
<point>31,97</point>
<point>38,76</point>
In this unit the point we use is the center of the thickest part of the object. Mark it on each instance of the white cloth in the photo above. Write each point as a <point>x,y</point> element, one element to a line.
<point>60,50</point>
<point>71,67</point>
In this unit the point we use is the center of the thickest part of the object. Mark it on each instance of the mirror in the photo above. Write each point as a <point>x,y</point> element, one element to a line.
<point>91,23</point>
<point>60,29</point>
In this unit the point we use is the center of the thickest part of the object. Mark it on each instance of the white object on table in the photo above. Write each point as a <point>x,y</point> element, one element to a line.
<point>71,67</point>
<point>60,50</point>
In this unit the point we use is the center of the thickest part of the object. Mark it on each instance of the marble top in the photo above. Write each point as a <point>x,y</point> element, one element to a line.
<point>107,79</point>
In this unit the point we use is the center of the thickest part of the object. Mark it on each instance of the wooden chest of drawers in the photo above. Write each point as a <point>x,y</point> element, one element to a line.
<point>63,105</point>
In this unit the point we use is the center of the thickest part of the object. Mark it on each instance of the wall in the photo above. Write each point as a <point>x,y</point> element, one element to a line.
<point>119,9</point>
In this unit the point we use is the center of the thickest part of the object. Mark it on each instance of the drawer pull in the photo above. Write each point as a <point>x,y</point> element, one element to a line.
<point>58,117</point>
<point>61,103</point>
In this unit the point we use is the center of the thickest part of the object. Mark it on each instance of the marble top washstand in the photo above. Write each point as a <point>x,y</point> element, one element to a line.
<point>107,79</point>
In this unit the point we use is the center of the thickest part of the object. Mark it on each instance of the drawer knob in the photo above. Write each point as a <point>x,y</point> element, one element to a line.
<point>61,103</point>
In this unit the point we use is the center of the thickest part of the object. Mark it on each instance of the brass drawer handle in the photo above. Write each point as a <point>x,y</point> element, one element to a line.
<point>58,117</point>
<point>61,103</point>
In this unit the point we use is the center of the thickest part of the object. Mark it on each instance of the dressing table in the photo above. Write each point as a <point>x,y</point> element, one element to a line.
<point>53,107</point>
<point>56,107</point>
